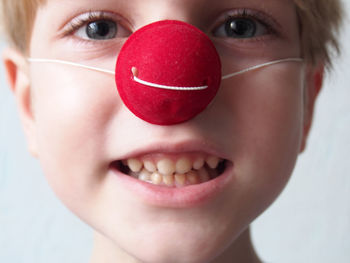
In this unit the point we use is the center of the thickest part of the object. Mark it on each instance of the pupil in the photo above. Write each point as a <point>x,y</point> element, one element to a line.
<point>100,29</point>
<point>240,28</point>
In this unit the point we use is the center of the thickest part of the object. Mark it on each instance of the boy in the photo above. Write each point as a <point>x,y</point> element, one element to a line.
<point>96,153</point>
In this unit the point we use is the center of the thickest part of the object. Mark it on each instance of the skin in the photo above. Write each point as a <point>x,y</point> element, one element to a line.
<point>76,125</point>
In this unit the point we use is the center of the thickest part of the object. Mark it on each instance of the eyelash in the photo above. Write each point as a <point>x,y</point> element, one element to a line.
<point>255,15</point>
<point>80,21</point>
<point>265,20</point>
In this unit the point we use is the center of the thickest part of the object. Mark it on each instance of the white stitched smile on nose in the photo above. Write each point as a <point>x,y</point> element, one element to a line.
<point>160,86</point>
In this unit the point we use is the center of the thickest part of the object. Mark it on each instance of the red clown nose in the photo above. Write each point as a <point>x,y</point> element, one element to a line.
<point>168,72</point>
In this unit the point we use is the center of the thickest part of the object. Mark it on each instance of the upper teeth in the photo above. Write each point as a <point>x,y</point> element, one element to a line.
<point>166,166</point>
<point>170,170</point>
<point>135,165</point>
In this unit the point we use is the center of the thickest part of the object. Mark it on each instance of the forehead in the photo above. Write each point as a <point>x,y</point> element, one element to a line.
<point>193,3</point>
<point>280,10</point>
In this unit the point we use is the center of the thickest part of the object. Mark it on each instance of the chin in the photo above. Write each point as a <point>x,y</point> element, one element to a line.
<point>179,242</point>
<point>179,250</point>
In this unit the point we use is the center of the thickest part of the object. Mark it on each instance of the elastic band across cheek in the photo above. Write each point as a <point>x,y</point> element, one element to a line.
<point>168,72</point>
<point>110,72</point>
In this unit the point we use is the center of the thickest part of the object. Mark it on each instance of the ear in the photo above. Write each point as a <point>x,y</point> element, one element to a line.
<point>313,85</point>
<point>16,68</point>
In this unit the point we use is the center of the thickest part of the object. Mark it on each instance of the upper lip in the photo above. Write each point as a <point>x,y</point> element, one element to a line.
<point>178,147</point>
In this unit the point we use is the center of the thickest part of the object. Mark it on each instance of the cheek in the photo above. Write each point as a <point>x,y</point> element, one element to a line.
<point>73,109</point>
<point>266,123</point>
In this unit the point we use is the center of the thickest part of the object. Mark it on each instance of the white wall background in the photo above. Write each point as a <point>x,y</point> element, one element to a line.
<point>310,222</point>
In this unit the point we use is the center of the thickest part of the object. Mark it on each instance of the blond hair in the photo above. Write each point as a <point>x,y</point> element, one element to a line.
<point>17,21</point>
<point>319,21</point>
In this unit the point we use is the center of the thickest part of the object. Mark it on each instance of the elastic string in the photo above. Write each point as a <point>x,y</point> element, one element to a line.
<point>44,60</point>
<point>261,66</point>
<point>160,86</point>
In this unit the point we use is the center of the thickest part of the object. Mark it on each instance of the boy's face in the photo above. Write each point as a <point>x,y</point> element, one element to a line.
<point>79,127</point>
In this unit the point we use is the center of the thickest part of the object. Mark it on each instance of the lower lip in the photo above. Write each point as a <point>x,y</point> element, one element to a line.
<point>175,197</point>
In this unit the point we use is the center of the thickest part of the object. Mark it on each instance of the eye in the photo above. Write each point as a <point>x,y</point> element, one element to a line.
<point>95,26</point>
<point>98,30</point>
<point>240,27</point>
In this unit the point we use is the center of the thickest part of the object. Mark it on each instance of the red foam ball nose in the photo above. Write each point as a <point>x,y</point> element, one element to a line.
<point>169,53</point>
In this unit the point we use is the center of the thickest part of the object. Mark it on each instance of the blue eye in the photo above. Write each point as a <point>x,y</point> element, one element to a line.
<point>97,26</point>
<point>98,30</point>
<point>240,27</point>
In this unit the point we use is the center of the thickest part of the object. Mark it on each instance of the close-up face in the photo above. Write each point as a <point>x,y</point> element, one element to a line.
<point>187,189</point>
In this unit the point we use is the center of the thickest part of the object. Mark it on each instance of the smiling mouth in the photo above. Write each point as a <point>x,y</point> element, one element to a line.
<point>172,170</point>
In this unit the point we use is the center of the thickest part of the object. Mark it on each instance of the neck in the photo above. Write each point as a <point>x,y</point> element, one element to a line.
<point>242,251</point>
